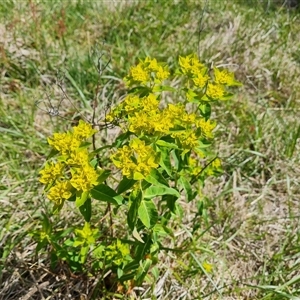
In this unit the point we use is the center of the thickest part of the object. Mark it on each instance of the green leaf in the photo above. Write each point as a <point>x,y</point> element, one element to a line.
<point>86,210</point>
<point>166,144</point>
<point>52,153</point>
<point>165,161</point>
<point>137,236</point>
<point>190,95</point>
<point>161,230</point>
<point>156,179</point>
<point>76,243</point>
<point>57,208</point>
<point>236,83</point>
<point>138,176</point>
<point>93,153</point>
<point>104,174</point>
<point>141,90</point>
<point>162,88</point>
<point>187,188</point>
<point>148,213</point>
<point>176,159</point>
<point>40,245</point>
<point>125,184</point>
<point>205,109</point>
<point>103,192</point>
<point>145,185</point>
<point>120,139</point>
<point>203,144</point>
<point>46,224</point>
<point>155,191</point>
<point>134,203</point>
<point>81,197</point>
<point>83,253</point>
<point>120,272</point>
<point>171,202</point>
<point>155,272</point>
<point>142,271</point>
<point>227,97</point>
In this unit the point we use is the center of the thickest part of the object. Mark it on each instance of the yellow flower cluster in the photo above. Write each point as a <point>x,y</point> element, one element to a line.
<point>224,77</point>
<point>73,171</point>
<point>117,252</point>
<point>214,88</point>
<point>135,160</point>
<point>147,71</point>
<point>146,118</point>
<point>196,167</point>
<point>190,65</point>
<point>86,235</point>
<point>214,168</point>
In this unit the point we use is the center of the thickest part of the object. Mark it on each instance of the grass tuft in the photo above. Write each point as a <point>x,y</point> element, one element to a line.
<point>249,232</point>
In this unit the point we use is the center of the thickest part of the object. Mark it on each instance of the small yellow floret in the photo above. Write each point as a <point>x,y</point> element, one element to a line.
<point>79,158</point>
<point>215,91</point>
<point>60,192</point>
<point>162,73</point>
<point>139,74</point>
<point>185,63</point>
<point>109,117</point>
<point>207,266</point>
<point>153,66</point>
<point>85,179</point>
<point>190,64</point>
<point>135,158</point>
<point>51,172</point>
<point>224,77</point>
<point>86,235</point>
<point>83,130</point>
<point>200,80</point>
<point>216,163</point>
<point>64,142</point>
<point>206,127</point>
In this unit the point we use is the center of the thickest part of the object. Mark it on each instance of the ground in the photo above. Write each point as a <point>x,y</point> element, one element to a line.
<point>250,232</point>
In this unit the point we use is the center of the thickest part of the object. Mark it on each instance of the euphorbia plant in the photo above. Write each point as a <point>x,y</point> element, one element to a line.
<point>163,152</point>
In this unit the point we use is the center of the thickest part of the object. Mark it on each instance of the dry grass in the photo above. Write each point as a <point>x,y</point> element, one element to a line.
<point>251,233</point>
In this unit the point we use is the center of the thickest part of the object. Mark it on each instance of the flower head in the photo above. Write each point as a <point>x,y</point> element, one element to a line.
<point>138,74</point>
<point>60,192</point>
<point>64,142</point>
<point>137,158</point>
<point>85,178</point>
<point>83,130</point>
<point>51,172</point>
<point>215,91</point>
<point>224,77</point>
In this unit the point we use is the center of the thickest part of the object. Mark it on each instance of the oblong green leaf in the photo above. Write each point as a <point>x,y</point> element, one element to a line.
<point>161,88</point>
<point>137,236</point>
<point>134,203</point>
<point>142,271</point>
<point>104,174</point>
<point>205,109</point>
<point>147,213</point>
<point>154,191</point>
<point>86,210</point>
<point>165,161</point>
<point>166,144</point>
<point>171,202</point>
<point>81,198</point>
<point>187,188</point>
<point>156,179</point>
<point>125,184</point>
<point>103,192</point>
